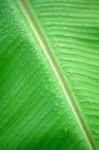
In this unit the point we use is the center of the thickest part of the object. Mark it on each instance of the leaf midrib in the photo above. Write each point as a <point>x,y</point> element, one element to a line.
<point>33,24</point>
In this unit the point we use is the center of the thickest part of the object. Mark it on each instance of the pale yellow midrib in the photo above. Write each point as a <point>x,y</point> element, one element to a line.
<point>44,45</point>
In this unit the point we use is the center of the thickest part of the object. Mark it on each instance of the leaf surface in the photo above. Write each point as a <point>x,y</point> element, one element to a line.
<point>49,75</point>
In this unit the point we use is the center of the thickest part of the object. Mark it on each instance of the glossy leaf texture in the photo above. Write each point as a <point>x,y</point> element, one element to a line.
<point>49,95</point>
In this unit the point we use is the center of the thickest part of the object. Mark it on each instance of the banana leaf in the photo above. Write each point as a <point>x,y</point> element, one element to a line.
<point>49,74</point>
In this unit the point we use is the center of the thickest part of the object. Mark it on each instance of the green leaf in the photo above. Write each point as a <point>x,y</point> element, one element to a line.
<point>49,74</point>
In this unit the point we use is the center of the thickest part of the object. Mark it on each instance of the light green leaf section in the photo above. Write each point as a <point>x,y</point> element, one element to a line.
<point>35,113</point>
